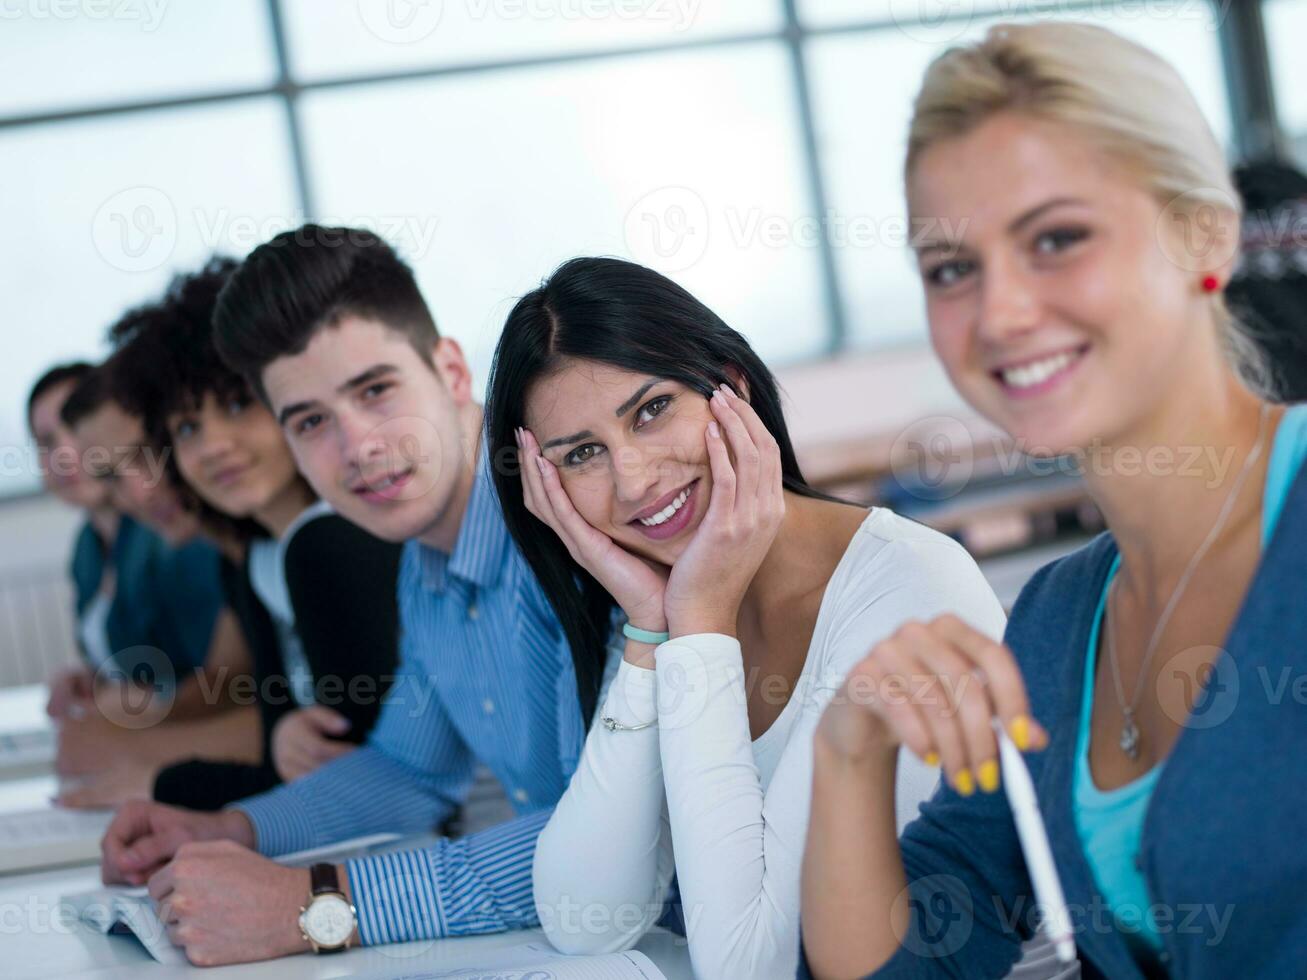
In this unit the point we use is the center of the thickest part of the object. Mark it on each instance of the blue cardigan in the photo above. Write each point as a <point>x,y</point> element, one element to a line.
<point>1223,846</point>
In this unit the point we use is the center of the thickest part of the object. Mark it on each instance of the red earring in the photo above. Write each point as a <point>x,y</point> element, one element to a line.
<point>1211,284</point>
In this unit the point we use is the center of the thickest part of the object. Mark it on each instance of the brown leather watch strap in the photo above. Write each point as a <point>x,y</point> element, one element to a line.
<point>323,879</point>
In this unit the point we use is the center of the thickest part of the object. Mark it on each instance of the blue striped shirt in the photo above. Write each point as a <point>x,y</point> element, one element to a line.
<point>485,675</point>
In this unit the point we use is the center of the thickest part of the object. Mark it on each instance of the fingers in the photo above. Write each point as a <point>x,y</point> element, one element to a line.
<point>149,853</point>
<point>748,460</point>
<point>872,683</point>
<point>1000,677</point>
<point>325,719</point>
<point>959,712</point>
<point>721,503</point>
<point>535,495</point>
<point>130,822</point>
<point>576,533</point>
<point>953,682</point>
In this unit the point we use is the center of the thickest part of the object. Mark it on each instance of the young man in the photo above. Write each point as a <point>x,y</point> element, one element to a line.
<point>330,328</point>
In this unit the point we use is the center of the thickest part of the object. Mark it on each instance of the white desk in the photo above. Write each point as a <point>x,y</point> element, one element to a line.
<point>39,940</point>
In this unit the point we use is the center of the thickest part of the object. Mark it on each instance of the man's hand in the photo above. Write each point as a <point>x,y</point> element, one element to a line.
<point>144,835</point>
<point>71,691</point>
<point>301,740</point>
<point>222,903</point>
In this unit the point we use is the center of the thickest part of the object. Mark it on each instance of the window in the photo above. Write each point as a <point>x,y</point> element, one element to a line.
<point>1286,26</point>
<point>491,139</point>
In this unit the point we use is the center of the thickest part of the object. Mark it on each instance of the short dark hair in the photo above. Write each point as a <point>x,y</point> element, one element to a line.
<point>55,376</point>
<point>292,286</point>
<point>91,391</point>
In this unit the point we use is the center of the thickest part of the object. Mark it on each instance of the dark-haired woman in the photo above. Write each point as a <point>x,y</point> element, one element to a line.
<point>654,448</point>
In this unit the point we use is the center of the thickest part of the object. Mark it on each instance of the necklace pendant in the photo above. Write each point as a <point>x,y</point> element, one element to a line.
<point>1130,737</point>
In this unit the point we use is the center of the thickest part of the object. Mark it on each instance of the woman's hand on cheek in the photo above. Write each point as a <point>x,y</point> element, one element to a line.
<point>745,512</point>
<point>635,584</point>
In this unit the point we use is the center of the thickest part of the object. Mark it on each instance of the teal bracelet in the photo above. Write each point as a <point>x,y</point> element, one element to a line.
<point>644,636</point>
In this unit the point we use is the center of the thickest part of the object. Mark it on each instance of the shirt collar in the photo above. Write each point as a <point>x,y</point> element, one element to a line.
<point>478,556</point>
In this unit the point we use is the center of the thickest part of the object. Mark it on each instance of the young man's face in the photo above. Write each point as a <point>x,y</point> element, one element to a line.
<point>112,444</point>
<point>374,428</point>
<point>62,471</point>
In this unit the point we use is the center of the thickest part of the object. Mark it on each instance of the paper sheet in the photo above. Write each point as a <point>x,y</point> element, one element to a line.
<point>538,961</point>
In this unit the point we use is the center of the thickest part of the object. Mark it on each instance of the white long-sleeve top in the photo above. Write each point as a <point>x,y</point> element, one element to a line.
<point>694,796</point>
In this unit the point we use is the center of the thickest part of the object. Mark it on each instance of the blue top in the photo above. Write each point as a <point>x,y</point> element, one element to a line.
<point>1109,822</point>
<point>1220,846</point>
<point>165,598</point>
<point>485,675</point>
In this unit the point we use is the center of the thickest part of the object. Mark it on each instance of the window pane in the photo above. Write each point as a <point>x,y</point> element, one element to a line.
<point>330,38</point>
<point>1286,26</point>
<point>108,210</point>
<point>487,182</point>
<point>863,140</point>
<point>75,53</point>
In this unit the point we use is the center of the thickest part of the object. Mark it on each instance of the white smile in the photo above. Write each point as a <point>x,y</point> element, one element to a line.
<point>1037,372</point>
<point>666,513</point>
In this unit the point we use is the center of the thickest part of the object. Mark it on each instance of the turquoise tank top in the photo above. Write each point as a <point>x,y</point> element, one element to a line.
<point>1109,822</point>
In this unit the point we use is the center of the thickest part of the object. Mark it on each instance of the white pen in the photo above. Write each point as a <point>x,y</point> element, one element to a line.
<point>1034,845</point>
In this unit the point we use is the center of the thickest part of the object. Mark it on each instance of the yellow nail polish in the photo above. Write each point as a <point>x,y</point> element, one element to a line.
<point>932,759</point>
<point>964,783</point>
<point>1020,732</point>
<point>987,775</point>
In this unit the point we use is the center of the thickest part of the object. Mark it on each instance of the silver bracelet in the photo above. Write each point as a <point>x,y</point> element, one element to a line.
<point>613,725</point>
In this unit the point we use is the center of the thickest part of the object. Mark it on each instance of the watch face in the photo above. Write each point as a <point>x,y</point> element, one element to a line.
<point>329,920</point>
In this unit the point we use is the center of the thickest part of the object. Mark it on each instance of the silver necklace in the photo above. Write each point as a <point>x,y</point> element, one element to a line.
<point>1130,738</point>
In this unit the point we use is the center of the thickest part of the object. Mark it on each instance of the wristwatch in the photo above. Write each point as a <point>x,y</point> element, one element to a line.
<point>327,922</point>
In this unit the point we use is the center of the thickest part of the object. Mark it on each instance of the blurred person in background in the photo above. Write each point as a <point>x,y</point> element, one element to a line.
<point>166,643</point>
<point>1268,292</point>
<point>64,476</point>
<point>314,594</point>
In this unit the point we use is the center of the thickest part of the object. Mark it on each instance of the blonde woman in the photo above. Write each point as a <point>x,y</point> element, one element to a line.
<point>1081,310</point>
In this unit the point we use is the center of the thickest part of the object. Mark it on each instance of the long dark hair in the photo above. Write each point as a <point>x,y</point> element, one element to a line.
<point>618,313</point>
